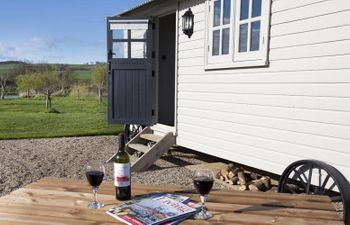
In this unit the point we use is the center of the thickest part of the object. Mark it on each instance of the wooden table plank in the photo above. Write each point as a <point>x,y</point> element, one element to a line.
<point>53,212</point>
<point>233,218</point>
<point>220,197</point>
<point>107,187</point>
<point>43,220</point>
<point>81,203</point>
<point>62,201</point>
<point>30,196</point>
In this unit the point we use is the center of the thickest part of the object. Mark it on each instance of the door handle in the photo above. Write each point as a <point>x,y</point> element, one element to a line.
<point>110,54</point>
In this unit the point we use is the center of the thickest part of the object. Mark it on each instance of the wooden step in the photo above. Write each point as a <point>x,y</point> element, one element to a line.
<point>139,147</point>
<point>154,153</point>
<point>151,137</point>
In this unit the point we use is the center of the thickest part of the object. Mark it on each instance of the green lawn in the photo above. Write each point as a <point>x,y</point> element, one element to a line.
<point>26,118</point>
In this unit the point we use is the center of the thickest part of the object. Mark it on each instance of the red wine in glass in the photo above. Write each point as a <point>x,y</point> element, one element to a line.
<point>203,181</point>
<point>94,177</point>
<point>203,185</point>
<point>94,174</point>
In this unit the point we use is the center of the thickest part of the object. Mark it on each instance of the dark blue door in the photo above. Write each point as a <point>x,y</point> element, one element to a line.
<point>130,81</point>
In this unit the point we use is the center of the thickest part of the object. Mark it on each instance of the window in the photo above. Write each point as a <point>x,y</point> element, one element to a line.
<point>129,40</point>
<point>221,27</point>
<point>220,34</point>
<point>237,33</point>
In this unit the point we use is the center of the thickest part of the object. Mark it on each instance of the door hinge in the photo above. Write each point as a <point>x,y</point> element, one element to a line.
<point>153,55</point>
<point>153,26</point>
<point>152,112</point>
<point>153,73</point>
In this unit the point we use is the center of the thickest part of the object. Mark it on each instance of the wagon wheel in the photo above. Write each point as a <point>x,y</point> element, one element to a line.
<point>131,130</point>
<point>317,178</point>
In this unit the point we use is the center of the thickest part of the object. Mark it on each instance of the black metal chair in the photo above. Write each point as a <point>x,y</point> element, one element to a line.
<point>318,178</point>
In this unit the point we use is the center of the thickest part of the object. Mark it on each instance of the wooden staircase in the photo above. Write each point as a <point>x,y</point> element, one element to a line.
<point>151,146</point>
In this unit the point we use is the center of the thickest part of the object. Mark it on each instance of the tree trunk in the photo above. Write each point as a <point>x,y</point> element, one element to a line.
<point>3,83</point>
<point>48,100</point>
<point>2,95</point>
<point>100,95</point>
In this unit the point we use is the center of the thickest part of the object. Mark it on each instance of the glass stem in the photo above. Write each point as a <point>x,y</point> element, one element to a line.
<point>203,197</point>
<point>94,190</point>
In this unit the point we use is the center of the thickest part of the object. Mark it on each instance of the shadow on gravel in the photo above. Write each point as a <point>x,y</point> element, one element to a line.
<point>179,156</point>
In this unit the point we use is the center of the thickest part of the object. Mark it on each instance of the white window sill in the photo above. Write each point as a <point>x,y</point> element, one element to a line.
<point>237,64</point>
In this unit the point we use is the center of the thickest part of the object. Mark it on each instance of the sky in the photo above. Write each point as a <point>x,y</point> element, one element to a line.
<point>56,31</point>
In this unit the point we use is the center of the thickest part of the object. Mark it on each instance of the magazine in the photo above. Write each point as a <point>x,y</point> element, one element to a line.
<point>153,210</point>
<point>179,198</point>
<point>196,206</point>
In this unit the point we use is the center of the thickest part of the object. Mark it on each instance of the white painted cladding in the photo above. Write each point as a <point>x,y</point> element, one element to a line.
<point>296,108</point>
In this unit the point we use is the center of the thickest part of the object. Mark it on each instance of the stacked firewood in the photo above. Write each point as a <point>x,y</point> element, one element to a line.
<point>244,180</point>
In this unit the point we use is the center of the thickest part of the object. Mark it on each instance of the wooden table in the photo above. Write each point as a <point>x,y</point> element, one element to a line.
<point>53,201</point>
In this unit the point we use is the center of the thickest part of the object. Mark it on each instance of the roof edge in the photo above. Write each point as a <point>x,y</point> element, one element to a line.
<point>137,7</point>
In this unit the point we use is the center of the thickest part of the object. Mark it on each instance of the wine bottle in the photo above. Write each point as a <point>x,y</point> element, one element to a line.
<point>122,175</point>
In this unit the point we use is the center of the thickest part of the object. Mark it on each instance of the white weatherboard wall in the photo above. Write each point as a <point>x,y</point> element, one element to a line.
<point>296,108</point>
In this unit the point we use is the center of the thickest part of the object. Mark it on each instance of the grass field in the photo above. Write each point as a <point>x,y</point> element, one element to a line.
<point>26,118</point>
<point>82,74</point>
<point>5,67</point>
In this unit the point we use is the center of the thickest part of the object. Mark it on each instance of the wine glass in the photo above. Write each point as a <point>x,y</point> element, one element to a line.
<point>94,173</point>
<point>203,181</point>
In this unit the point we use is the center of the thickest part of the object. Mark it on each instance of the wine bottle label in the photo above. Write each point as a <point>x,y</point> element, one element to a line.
<point>121,174</point>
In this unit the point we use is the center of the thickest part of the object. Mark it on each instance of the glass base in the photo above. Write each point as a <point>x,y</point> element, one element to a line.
<point>203,215</point>
<point>95,205</point>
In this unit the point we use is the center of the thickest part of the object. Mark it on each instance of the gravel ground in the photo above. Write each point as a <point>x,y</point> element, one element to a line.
<point>27,160</point>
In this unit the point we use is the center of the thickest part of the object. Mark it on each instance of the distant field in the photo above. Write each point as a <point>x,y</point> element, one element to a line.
<point>26,118</point>
<point>6,67</point>
<point>80,71</point>
<point>81,66</point>
<point>82,74</point>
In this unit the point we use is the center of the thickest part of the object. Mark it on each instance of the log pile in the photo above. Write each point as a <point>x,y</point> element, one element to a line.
<point>244,180</point>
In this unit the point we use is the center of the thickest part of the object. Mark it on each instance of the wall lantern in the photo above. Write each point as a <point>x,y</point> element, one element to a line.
<point>187,23</point>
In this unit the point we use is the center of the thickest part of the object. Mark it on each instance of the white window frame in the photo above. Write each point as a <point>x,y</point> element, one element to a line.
<point>219,58</point>
<point>234,58</point>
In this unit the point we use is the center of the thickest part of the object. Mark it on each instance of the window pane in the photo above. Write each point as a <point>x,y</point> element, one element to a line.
<point>244,9</point>
<point>255,36</point>
<point>216,42</point>
<point>120,34</point>
<point>138,50</point>
<point>256,8</point>
<point>138,34</point>
<point>227,11</point>
<point>225,41</point>
<point>120,50</point>
<point>243,36</point>
<point>217,12</point>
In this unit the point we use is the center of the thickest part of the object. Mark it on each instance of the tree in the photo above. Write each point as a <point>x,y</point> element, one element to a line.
<point>4,78</point>
<point>99,79</point>
<point>46,83</point>
<point>79,90</point>
<point>26,82</point>
<point>9,76</point>
<point>65,79</point>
